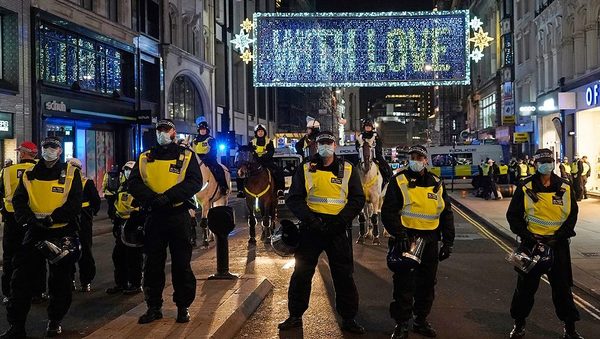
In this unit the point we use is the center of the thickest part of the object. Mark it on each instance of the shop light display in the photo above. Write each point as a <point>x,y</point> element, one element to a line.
<point>480,39</point>
<point>361,49</point>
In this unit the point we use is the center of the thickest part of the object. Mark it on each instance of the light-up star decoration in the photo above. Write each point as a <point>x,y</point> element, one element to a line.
<point>247,25</point>
<point>242,41</point>
<point>475,23</point>
<point>476,55</point>
<point>247,56</point>
<point>480,39</point>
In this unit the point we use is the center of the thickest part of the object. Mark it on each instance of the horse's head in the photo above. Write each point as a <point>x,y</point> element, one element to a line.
<point>311,148</point>
<point>245,160</point>
<point>367,153</point>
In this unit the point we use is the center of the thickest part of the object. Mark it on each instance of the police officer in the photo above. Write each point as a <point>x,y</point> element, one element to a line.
<point>503,170</point>
<point>89,208</point>
<point>205,146</point>
<point>543,209</point>
<point>416,205</point>
<point>303,148</point>
<point>531,167</point>
<point>576,176</point>
<point>584,173</point>
<point>513,169</point>
<point>110,186</point>
<point>367,135</point>
<point>126,259</point>
<point>326,195</point>
<point>523,171</point>
<point>12,233</point>
<point>264,150</point>
<point>164,180</point>
<point>565,169</point>
<point>47,203</point>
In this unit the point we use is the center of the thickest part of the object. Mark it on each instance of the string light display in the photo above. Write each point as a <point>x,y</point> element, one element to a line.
<point>361,49</point>
<point>480,39</point>
<point>242,41</point>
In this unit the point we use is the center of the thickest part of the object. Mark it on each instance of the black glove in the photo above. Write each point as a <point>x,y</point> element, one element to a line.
<point>402,241</point>
<point>445,252</point>
<point>160,200</point>
<point>527,236</point>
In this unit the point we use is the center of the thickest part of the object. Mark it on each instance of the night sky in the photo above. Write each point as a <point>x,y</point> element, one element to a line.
<point>372,5</point>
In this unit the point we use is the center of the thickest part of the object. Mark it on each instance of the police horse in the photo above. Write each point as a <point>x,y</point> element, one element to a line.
<point>372,182</point>
<point>261,196</point>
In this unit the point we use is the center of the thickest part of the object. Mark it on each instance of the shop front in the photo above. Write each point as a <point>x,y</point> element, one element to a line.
<point>548,131</point>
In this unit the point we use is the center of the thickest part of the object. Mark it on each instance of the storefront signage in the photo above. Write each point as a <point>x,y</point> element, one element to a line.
<point>549,105</point>
<point>519,138</point>
<point>592,94</point>
<point>361,49</point>
<point>56,106</point>
<point>144,117</point>
<point>527,109</point>
<point>6,126</point>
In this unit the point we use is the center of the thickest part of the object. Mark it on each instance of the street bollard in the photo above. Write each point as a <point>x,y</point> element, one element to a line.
<point>221,222</point>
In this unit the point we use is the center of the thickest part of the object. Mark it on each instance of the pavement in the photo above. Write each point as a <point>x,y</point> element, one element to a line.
<point>585,246</point>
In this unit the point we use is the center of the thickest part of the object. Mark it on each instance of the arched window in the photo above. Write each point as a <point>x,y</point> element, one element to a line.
<point>184,100</point>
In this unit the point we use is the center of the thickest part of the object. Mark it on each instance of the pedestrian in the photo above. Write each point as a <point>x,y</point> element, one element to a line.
<point>565,169</point>
<point>89,208</point>
<point>264,150</point>
<point>13,233</point>
<point>306,146</point>
<point>110,186</point>
<point>543,210</point>
<point>416,205</point>
<point>576,175</point>
<point>369,135</point>
<point>127,258</point>
<point>47,203</point>
<point>164,180</point>
<point>584,173</point>
<point>205,147</point>
<point>326,195</point>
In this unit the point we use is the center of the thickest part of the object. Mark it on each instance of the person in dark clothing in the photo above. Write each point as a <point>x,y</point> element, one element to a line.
<point>264,151</point>
<point>127,258</point>
<point>303,146</point>
<point>544,210</point>
<point>584,169</point>
<point>110,185</point>
<point>164,180</point>
<point>367,135</point>
<point>326,220</point>
<point>89,208</point>
<point>12,233</point>
<point>47,203</point>
<point>206,148</point>
<point>425,213</point>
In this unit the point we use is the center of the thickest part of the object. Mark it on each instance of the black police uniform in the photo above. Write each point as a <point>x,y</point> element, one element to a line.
<point>333,238</point>
<point>210,159</point>
<point>560,274</point>
<point>384,167</point>
<point>90,207</point>
<point>111,184</point>
<point>168,224</point>
<point>29,260</point>
<point>414,291</point>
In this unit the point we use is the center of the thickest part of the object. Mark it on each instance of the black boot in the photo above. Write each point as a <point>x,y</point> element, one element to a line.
<point>423,327</point>
<point>14,332</point>
<point>518,330</point>
<point>153,313</point>
<point>570,332</point>
<point>183,315</point>
<point>350,325</point>
<point>289,323</point>
<point>401,331</point>
<point>54,329</point>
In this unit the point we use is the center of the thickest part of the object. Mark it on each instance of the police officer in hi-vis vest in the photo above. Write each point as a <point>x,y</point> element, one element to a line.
<point>415,206</point>
<point>164,180</point>
<point>264,150</point>
<point>206,148</point>
<point>544,210</point>
<point>13,234</point>
<point>47,203</point>
<point>325,195</point>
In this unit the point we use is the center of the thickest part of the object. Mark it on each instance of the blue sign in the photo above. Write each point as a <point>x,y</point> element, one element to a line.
<point>361,49</point>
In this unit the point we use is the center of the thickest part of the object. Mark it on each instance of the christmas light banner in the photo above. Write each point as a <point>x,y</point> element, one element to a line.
<point>361,49</point>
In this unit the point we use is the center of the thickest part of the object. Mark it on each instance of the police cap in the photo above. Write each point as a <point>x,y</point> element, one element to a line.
<point>325,136</point>
<point>418,149</point>
<point>165,123</point>
<point>543,154</point>
<point>52,142</point>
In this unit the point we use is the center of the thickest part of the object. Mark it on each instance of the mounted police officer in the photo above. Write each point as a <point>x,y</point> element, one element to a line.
<point>47,203</point>
<point>543,210</point>
<point>313,128</point>
<point>164,180</point>
<point>367,135</point>
<point>264,150</point>
<point>205,147</point>
<point>416,208</point>
<point>325,196</point>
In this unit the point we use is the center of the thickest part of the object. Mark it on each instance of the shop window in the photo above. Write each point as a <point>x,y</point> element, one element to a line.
<point>87,4</point>
<point>9,51</point>
<point>184,100</point>
<point>112,10</point>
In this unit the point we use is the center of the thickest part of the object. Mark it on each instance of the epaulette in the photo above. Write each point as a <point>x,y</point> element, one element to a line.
<point>438,182</point>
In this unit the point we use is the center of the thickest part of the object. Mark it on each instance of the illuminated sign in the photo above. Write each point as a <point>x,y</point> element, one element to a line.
<point>591,95</point>
<point>361,49</point>
<point>548,106</point>
<point>6,126</point>
<point>56,106</point>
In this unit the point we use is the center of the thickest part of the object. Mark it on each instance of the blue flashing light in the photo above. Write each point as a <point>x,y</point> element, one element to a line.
<point>222,147</point>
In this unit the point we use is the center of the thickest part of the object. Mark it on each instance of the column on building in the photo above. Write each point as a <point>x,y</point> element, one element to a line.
<point>591,42</point>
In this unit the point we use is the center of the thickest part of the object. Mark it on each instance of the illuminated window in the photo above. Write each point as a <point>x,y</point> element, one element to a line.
<point>487,113</point>
<point>184,100</point>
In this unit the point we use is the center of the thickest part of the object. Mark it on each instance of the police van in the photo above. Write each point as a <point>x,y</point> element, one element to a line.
<point>461,161</point>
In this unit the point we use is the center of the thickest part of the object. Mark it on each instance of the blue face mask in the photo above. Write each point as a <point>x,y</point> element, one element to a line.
<point>416,166</point>
<point>546,168</point>
<point>325,151</point>
<point>163,138</point>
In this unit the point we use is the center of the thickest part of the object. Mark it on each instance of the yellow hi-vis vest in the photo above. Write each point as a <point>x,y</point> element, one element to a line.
<point>47,195</point>
<point>547,215</point>
<point>11,176</point>
<point>586,169</point>
<point>531,169</point>
<point>160,175</point>
<point>422,205</point>
<point>523,168</point>
<point>325,192</point>
<point>84,203</point>
<point>503,169</point>
<point>124,205</point>
<point>202,147</point>
<point>486,169</point>
<point>574,168</point>
<point>260,150</point>
<point>566,167</point>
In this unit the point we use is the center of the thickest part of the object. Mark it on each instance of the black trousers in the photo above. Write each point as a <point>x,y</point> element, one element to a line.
<point>577,186</point>
<point>128,264</point>
<point>384,168</point>
<point>339,254</point>
<point>110,201</point>
<point>28,262</point>
<point>414,291</point>
<point>87,264</point>
<point>11,243</point>
<point>561,281</point>
<point>172,230</point>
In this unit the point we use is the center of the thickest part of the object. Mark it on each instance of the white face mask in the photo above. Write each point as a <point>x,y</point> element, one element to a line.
<point>325,151</point>
<point>416,166</point>
<point>163,138</point>
<point>49,154</point>
<point>126,173</point>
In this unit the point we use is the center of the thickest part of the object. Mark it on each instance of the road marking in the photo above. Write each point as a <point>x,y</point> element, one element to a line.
<point>582,303</point>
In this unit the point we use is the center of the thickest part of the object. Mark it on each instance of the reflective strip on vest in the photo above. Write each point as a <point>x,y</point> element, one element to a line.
<point>11,176</point>
<point>261,150</point>
<point>47,195</point>
<point>124,205</point>
<point>202,147</point>
<point>547,215</point>
<point>503,169</point>
<point>422,207</point>
<point>523,170</point>
<point>160,175</point>
<point>325,192</point>
<point>84,203</point>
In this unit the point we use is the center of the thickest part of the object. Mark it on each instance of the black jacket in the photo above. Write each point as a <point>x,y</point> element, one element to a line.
<point>296,200</point>
<point>394,201</point>
<point>90,193</point>
<point>182,192</point>
<point>67,213</point>
<point>516,210</point>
